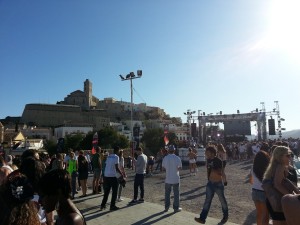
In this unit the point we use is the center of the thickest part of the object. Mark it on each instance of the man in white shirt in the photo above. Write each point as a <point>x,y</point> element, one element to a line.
<point>110,179</point>
<point>172,164</point>
<point>242,151</point>
<point>140,171</point>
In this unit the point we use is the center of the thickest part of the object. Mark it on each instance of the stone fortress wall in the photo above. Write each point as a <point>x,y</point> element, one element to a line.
<point>82,108</point>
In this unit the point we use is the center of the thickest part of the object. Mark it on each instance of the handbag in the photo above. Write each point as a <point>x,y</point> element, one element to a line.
<point>272,194</point>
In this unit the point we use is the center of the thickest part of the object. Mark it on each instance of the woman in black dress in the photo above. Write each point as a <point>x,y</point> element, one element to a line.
<point>83,172</point>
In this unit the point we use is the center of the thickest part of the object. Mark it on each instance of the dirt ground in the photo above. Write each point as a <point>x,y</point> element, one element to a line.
<point>192,191</point>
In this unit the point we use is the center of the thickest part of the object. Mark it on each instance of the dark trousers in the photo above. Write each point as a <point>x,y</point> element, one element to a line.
<point>110,183</point>
<point>138,182</point>
<point>73,183</point>
<point>159,165</point>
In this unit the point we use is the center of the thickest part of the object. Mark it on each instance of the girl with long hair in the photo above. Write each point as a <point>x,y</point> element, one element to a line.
<point>83,172</point>
<point>55,193</point>
<point>276,171</point>
<point>16,205</point>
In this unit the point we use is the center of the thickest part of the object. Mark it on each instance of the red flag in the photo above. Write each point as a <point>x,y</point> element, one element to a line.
<point>93,151</point>
<point>166,140</point>
<point>94,143</point>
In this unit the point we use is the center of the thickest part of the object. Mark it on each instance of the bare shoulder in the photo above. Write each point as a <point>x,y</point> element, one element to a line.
<point>72,219</point>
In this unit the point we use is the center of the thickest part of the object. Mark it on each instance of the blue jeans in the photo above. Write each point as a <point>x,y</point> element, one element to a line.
<point>168,188</point>
<point>211,189</point>
<point>138,182</point>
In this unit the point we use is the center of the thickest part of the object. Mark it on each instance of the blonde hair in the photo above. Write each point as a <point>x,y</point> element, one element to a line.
<point>275,161</point>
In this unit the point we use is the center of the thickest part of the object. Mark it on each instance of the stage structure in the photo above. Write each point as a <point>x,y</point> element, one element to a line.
<point>239,124</point>
<point>234,124</point>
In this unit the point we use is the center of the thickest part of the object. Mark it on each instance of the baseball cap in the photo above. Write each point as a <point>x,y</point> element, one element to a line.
<point>171,148</point>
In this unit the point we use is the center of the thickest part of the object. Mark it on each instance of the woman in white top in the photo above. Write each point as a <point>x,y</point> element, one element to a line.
<point>121,167</point>
<point>260,163</point>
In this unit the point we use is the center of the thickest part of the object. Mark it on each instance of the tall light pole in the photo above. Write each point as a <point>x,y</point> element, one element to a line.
<point>130,77</point>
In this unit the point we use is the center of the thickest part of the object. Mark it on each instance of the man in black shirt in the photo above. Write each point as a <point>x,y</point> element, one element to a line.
<point>214,185</point>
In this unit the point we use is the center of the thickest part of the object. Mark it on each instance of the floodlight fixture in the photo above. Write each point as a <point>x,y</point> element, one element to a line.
<point>139,73</point>
<point>132,74</point>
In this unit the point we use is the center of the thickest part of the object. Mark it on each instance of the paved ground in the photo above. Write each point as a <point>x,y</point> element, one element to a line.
<point>139,214</point>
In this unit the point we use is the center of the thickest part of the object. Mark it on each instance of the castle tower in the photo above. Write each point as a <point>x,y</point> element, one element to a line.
<point>88,92</point>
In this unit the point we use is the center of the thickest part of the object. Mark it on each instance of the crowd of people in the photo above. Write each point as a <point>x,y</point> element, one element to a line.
<point>272,166</point>
<point>33,186</point>
<point>31,191</point>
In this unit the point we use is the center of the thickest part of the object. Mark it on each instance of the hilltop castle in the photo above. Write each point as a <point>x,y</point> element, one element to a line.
<point>82,108</point>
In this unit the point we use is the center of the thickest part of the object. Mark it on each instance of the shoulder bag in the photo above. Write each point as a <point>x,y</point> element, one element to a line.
<point>272,194</point>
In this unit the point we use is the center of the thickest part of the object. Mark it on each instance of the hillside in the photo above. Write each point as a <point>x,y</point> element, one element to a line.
<point>292,134</point>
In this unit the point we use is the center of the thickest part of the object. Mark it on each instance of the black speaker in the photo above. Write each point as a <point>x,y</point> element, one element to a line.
<point>194,132</point>
<point>271,123</point>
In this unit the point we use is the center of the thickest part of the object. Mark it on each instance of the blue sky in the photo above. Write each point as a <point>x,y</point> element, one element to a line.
<point>200,55</point>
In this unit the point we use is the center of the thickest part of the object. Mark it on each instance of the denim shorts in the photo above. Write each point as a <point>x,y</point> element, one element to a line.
<point>258,195</point>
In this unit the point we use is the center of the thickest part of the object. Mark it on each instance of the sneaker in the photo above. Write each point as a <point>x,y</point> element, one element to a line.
<point>166,210</point>
<point>177,210</point>
<point>114,208</point>
<point>141,200</point>
<point>224,220</point>
<point>133,201</point>
<point>120,199</point>
<point>102,207</point>
<point>199,220</point>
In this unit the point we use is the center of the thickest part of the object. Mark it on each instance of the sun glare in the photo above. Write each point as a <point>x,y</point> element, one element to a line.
<point>284,33</point>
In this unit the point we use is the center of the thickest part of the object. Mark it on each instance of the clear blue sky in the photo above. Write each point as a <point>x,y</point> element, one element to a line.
<point>199,55</point>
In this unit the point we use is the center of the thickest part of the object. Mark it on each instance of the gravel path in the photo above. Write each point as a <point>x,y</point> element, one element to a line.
<point>192,192</point>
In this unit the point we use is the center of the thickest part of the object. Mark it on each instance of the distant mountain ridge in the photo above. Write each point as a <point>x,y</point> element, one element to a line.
<point>291,134</point>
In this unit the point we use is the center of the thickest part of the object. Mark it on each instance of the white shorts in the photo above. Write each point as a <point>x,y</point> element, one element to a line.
<point>192,161</point>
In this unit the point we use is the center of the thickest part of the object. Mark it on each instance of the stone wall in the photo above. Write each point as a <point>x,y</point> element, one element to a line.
<point>47,115</point>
